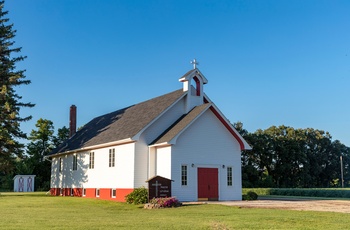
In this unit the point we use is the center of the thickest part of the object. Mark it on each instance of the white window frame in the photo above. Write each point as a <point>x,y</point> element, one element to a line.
<point>84,191</point>
<point>97,192</point>
<point>184,178</point>
<point>91,160</point>
<point>75,162</point>
<point>72,192</point>
<point>229,177</point>
<point>60,164</point>
<point>112,191</point>
<point>111,157</point>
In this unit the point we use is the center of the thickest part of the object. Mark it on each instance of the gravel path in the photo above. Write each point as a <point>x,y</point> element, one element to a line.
<point>305,205</point>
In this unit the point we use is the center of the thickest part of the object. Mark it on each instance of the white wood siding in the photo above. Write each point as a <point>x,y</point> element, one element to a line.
<point>142,170</point>
<point>54,173</point>
<point>141,163</point>
<point>101,176</point>
<point>163,161</point>
<point>163,122</point>
<point>152,162</point>
<point>192,100</point>
<point>206,143</point>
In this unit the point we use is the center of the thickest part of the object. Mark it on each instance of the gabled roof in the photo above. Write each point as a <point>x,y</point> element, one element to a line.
<point>191,73</point>
<point>170,135</point>
<point>180,125</point>
<point>121,124</point>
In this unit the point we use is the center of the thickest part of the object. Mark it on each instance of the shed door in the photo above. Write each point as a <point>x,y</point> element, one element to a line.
<point>208,184</point>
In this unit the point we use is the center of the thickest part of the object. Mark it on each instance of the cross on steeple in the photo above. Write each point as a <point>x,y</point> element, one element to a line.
<point>195,63</point>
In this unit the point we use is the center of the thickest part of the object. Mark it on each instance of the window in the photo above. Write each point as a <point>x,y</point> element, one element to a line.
<point>97,192</point>
<point>72,191</point>
<point>229,176</point>
<point>114,193</point>
<point>92,160</point>
<point>111,157</point>
<point>183,174</point>
<point>60,166</point>
<point>75,162</point>
<point>84,191</point>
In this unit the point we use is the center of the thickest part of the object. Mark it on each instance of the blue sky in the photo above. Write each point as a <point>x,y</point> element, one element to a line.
<point>267,62</point>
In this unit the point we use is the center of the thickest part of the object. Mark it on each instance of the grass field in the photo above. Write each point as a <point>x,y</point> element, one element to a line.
<point>38,211</point>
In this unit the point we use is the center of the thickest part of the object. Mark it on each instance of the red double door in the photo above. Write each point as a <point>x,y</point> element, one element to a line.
<point>208,184</point>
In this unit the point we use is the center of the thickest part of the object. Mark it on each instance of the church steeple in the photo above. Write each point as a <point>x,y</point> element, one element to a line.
<point>193,82</point>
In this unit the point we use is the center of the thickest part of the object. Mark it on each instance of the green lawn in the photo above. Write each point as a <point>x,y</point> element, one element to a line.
<point>37,211</point>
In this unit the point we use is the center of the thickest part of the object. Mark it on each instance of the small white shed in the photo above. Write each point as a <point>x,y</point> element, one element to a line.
<point>23,183</point>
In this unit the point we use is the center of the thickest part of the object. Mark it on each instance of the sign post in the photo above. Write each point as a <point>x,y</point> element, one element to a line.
<point>159,187</point>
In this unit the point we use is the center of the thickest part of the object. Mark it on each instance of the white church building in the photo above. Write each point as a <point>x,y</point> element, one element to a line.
<point>181,136</point>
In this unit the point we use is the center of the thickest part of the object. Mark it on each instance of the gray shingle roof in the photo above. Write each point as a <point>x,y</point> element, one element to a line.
<point>180,124</point>
<point>121,124</point>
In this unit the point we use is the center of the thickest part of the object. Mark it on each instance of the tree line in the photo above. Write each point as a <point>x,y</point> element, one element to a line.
<point>285,157</point>
<point>34,161</point>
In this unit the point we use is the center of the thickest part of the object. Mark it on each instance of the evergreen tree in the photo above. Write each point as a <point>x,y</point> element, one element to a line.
<point>10,101</point>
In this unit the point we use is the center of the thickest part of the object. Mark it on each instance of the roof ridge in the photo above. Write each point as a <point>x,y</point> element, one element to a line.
<point>120,124</point>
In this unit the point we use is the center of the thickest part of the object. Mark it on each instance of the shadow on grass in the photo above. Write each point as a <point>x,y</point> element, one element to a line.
<point>192,204</point>
<point>24,194</point>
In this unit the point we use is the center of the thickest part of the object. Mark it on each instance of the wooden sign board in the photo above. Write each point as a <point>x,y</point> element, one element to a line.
<point>159,187</point>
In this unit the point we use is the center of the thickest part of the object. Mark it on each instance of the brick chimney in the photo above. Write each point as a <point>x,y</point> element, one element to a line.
<point>72,120</point>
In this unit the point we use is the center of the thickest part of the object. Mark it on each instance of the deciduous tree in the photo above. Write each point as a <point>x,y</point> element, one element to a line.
<point>41,144</point>
<point>286,157</point>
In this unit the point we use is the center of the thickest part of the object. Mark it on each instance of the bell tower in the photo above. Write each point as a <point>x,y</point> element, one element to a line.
<point>193,82</point>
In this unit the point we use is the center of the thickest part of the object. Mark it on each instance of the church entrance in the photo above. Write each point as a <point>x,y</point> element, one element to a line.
<point>208,184</point>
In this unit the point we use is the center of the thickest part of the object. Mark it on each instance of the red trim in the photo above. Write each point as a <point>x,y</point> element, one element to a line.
<point>198,88</point>
<point>66,192</point>
<point>229,128</point>
<point>122,192</point>
<point>105,193</point>
<point>54,191</point>
<point>90,192</point>
<point>77,192</point>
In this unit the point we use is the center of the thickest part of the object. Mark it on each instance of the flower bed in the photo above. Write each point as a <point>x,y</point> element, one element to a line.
<point>168,202</point>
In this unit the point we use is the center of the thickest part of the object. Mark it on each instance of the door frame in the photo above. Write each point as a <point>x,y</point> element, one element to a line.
<point>209,184</point>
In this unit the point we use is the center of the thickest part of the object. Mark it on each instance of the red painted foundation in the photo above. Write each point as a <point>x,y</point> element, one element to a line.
<point>105,193</point>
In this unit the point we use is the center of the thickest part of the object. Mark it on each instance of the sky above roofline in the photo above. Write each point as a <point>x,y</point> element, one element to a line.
<point>267,62</point>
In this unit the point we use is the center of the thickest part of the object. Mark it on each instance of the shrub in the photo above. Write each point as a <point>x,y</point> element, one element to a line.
<point>253,195</point>
<point>259,191</point>
<point>250,196</point>
<point>138,196</point>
